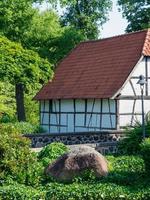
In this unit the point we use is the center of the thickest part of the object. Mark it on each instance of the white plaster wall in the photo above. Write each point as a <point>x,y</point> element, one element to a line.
<point>126,106</point>
<point>66,117</point>
<point>139,70</point>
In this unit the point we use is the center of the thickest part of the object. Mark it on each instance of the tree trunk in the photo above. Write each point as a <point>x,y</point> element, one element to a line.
<point>19,91</point>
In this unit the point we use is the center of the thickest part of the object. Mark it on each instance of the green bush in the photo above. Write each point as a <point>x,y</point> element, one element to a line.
<point>7,102</point>
<point>6,118</point>
<point>20,192</point>
<point>95,191</point>
<point>125,170</point>
<point>125,164</point>
<point>22,127</point>
<point>51,152</point>
<point>130,145</point>
<point>17,162</point>
<point>145,151</point>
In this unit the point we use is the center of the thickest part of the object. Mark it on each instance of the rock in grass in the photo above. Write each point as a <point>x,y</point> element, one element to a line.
<point>79,158</point>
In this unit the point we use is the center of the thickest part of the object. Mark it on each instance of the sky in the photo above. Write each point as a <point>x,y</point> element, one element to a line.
<point>116,24</point>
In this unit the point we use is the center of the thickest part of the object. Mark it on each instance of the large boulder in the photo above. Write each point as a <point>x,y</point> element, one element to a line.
<point>79,158</point>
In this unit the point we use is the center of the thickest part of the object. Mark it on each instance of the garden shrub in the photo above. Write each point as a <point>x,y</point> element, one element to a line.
<point>17,162</point>
<point>6,118</point>
<point>95,191</point>
<point>145,151</point>
<point>86,175</point>
<point>22,127</point>
<point>20,192</point>
<point>7,102</point>
<point>130,145</point>
<point>125,170</point>
<point>125,163</point>
<point>51,152</point>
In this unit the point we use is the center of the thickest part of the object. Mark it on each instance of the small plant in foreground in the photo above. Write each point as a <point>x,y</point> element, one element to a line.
<point>145,152</point>
<point>17,162</point>
<point>51,152</point>
<point>131,144</point>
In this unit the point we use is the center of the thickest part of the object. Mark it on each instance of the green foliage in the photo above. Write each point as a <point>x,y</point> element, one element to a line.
<point>15,18</point>
<point>31,106</point>
<point>17,162</point>
<point>86,175</point>
<point>20,192</point>
<point>23,68</point>
<point>86,16</point>
<point>22,177</point>
<point>126,164</point>
<point>18,65</point>
<point>126,180</point>
<point>35,30</point>
<point>21,127</point>
<point>51,152</point>
<point>95,191</point>
<point>45,27</point>
<point>137,13</point>
<point>49,39</point>
<point>63,44</point>
<point>125,170</point>
<point>7,102</point>
<point>145,151</point>
<point>131,143</point>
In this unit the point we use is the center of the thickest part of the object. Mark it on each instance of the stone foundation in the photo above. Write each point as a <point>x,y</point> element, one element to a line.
<point>104,142</point>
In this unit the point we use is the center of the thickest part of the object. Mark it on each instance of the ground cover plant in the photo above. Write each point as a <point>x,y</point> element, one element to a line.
<point>130,145</point>
<point>145,151</point>
<point>22,174</point>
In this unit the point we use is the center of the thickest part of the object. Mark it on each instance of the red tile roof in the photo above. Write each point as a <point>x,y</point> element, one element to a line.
<point>97,69</point>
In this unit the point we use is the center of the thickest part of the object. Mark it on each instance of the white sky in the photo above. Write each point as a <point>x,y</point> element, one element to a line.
<point>115,26</point>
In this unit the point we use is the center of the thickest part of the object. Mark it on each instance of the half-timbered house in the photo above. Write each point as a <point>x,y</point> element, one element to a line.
<point>95,86</point>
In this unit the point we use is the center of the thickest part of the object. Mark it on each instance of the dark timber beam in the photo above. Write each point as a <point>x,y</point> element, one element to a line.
<point>132,97</point>
<point>146,75</point>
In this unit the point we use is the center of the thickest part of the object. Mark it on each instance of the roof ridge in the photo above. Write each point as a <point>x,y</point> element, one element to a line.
<point>147,37</point>
<point>115,36</point>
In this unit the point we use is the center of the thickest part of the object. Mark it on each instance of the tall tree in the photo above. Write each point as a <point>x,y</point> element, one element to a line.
<point>7,98</point>
<point>62,45</point>
<point>85,15</point>
<point>21,68</point>
<point>35,30</point>
<point>15,18</point>
<point>137,13</point>
<point>45,27</point>
<point>49,39</point>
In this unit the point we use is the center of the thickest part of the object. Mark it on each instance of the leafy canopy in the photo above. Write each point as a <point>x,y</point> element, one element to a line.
<point>15,18</point>
<point>44,28</point>
<point>137,13</point>
<point>19,65</point>
<point>47,37</point>
<point>84,15</point>
<point>7,97</point>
